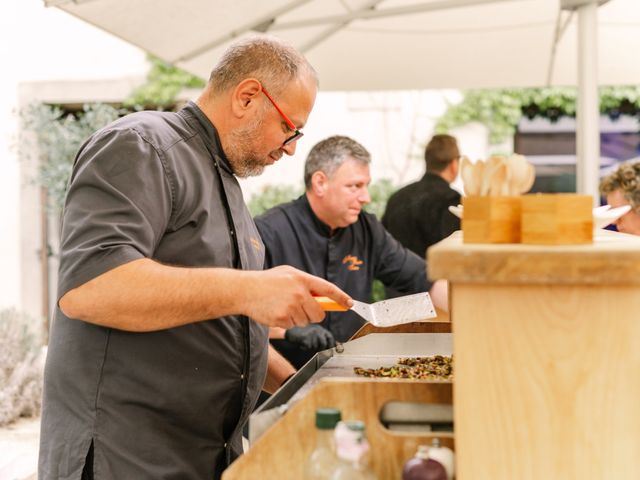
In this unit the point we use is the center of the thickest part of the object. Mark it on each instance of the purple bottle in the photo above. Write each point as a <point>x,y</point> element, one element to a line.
<point>421,467</point>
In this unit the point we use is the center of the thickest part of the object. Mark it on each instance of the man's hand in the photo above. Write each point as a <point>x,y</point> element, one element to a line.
<point>284,297</point>
<point>311,337</point>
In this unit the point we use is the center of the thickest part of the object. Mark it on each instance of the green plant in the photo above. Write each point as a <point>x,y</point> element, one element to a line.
<point>58,137</point>
<point>379,192</point>
<point>501,110</point>
<point>270,196</point>
<point>21,367</point>
<point>498,110</point>
<point>377,291</point>
<point>164,82</point>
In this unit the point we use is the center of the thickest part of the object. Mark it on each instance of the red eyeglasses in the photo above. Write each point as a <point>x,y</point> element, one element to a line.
<point>297,134</point>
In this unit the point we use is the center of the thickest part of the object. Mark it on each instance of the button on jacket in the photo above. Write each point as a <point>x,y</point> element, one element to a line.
<point>169,403</point>
<point>351,257</point>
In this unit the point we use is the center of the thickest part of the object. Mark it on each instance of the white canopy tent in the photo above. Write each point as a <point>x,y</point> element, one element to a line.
<point>405,44</point>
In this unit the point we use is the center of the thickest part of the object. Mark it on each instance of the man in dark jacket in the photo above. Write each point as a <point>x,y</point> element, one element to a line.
<point>417,215</point>
<point>326,232</point>
<point>159,348</point>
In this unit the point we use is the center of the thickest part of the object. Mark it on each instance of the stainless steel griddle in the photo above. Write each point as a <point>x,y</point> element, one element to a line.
<point>371,351</point>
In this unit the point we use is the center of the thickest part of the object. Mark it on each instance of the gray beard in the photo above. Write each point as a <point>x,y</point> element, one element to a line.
<point>244,161</point>
<point>247,167</point>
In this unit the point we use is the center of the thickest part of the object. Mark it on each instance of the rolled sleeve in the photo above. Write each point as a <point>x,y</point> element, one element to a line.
<point>117,208</point>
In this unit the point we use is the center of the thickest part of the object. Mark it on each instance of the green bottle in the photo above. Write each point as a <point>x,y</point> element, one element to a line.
<point>323,461</point>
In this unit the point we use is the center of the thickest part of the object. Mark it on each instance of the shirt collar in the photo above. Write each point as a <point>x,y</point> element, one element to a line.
<point>318,224</point>
<point>434,177</point>
<point>208,131</point>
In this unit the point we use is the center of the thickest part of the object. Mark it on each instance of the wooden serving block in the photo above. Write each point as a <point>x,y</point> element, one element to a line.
<point>281,453</point>
<point>557,219</point>
<point>491,219</point>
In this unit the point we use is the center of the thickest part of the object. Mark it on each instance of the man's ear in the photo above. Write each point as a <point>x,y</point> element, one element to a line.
<point>244,95</point>
<point>319,183</point>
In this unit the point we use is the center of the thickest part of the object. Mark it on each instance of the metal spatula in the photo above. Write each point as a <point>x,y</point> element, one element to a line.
<point>386,313</point>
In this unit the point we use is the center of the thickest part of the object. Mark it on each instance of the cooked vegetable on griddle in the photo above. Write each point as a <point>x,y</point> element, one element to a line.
<point>422,368</point>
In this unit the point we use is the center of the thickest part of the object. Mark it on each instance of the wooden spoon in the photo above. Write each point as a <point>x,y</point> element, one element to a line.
<point>466,172</point>
<point>478,173</point>
<point>527,183</point>
<point>498,183</point>
<point>519,173</point>
<point>488,187</point>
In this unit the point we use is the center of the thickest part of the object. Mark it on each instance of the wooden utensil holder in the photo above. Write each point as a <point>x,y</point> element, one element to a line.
<point>491,219</point>
<point>557,219</point>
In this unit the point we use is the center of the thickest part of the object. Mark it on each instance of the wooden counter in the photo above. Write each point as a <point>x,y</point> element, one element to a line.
<point>547,358</point>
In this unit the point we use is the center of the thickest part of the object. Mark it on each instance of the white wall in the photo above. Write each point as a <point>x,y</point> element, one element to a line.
<point>37,44</point>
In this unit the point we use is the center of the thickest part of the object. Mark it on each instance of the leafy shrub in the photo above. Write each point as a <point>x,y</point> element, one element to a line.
<point>500,110</point>
<point>59,136</point>
<point>163,84</point>
<point>270,196</point>
<point>379,193</point>
<point>21,367</point>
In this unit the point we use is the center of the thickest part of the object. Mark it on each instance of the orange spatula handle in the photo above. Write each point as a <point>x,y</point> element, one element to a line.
<point>329,305</point>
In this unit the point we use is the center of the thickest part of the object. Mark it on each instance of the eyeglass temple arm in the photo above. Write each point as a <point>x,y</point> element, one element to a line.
<point>286,119</point>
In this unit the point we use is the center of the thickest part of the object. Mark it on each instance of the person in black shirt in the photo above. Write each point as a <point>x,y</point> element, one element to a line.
<point>325,232</point>
<point>417,215</point>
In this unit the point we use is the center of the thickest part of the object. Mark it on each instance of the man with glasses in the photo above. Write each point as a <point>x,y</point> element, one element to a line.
<point>159,348</point>
<point>327,233</point>
<point>418,214</point>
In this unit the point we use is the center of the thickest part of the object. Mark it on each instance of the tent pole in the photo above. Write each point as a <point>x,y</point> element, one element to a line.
<point>588,112</point>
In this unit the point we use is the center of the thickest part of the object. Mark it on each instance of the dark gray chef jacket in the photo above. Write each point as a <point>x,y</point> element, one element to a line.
<point>350,257</point>
<point>168,404</point>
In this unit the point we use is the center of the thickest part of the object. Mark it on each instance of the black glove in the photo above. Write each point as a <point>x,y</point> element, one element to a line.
<point>312,337</point>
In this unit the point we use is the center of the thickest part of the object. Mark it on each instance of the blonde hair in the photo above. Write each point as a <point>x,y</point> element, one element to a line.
<point>626,179</point>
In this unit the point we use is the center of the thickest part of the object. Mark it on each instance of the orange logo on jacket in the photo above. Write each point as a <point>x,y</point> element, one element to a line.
<point>353,261</point>
<point>257,244</point>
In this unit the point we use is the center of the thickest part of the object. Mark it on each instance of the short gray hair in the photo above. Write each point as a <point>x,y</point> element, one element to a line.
<point>327,156</point>
<point>264,57</point>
